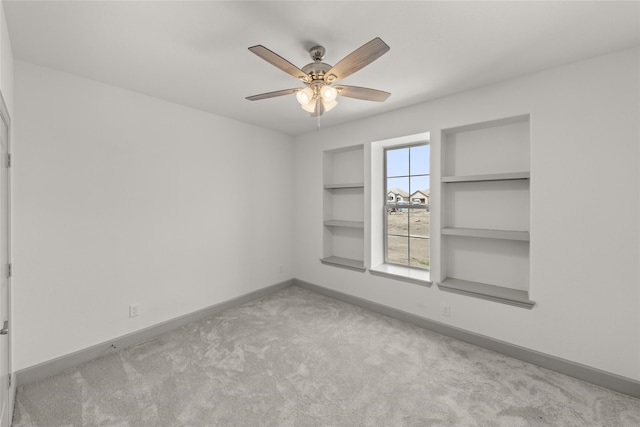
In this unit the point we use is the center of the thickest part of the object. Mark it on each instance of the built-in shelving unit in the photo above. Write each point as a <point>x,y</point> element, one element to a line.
<point>343,208</point>
<point>485,211</point>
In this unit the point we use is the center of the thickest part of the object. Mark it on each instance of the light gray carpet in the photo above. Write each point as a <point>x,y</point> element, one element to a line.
<point>296,358</point>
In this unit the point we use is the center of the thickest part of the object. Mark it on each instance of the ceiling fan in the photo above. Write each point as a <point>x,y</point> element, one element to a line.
<point>320,93</point>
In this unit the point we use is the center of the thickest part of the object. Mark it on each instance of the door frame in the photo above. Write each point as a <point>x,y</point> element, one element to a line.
<point>11,392</point>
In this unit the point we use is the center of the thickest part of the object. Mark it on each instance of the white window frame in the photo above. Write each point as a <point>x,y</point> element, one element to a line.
<point>377,197</point>
<point>407,204</point>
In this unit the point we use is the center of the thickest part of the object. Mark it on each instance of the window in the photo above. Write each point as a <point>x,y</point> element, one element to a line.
<point>407,213</point>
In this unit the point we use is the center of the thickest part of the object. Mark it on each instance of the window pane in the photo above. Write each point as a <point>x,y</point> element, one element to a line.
<point>398,250</point>
<point>419,252</point>
<point>398,189</point>
<point>420,184</point>
<point>419,160</point>
<point>419,223</point>
<point>398,162</point>
<point>397,221</point>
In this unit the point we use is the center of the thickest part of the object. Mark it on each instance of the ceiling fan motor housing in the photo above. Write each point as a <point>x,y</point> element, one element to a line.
<point>317,71</point>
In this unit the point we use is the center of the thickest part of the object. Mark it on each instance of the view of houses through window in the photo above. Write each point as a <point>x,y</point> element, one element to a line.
<point>407,210</point>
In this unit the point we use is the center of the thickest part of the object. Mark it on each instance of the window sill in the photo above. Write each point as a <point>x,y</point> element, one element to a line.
<point>406,274</point>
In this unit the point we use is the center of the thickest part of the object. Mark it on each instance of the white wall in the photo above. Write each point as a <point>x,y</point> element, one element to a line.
<point>585,188</point>
<point>6,62</point>
<point>121,198</point>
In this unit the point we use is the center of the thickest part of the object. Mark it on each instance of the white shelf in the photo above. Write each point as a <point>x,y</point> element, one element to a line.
<point>352,264</point>
<point>487,177</point>
<point>340,186</point>
<point>485,233</point>
<point>345,224</point>
<point>485,291</point>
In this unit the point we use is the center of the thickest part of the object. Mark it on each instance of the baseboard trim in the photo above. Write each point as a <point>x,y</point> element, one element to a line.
<point>582,372</point>
<point>54,366</point>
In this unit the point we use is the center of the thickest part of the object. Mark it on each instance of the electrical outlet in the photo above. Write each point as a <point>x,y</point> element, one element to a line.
<point>134,310</point>
<point>446,310</point>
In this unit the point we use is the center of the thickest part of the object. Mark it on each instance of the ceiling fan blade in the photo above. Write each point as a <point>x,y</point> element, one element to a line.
<point>280,62</point>
<point>357,60</point>
<point>271,94</point>
<point>362,93</point>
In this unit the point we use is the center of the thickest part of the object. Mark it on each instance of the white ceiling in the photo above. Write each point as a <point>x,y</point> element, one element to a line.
<point>195,53</point>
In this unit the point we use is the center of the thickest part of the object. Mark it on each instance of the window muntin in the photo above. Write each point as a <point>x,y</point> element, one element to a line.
<point>407,211</point>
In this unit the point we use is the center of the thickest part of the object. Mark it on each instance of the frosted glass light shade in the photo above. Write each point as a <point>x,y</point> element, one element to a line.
<point>329,105</point>
<point>304,96</point>
<point>328,94</point>
<point>309,106</point>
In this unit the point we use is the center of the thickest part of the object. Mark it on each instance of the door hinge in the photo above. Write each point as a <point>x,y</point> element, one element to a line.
<point>9,270</point>
<point>8,160</point>
<point>9,386</point>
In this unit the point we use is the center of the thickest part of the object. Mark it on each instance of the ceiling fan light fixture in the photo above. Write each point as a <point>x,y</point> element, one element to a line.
<point>328,105</point>
<point>329,93</point>
<point>310,106</point>
<point>305,96</point>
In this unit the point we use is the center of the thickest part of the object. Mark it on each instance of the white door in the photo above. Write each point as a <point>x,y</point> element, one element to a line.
<point>5,342</point>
